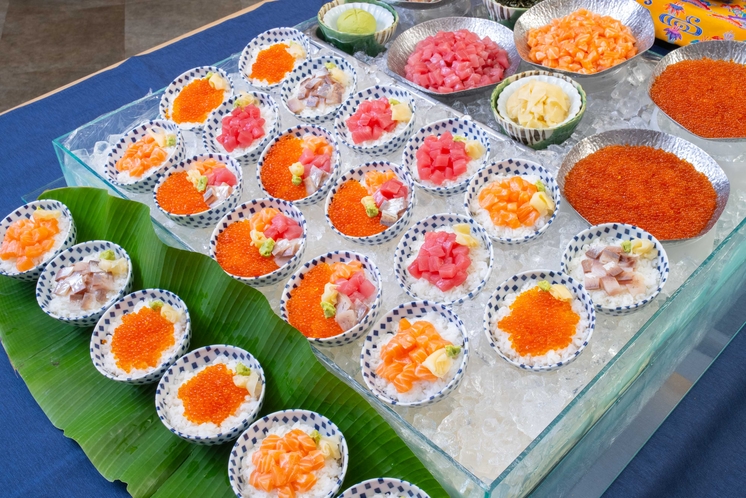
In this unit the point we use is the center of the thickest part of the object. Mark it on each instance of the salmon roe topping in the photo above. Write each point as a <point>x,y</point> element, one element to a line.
<point>348,213</point>
<point>272,64</point>
<point>141,339</point>
<point>237,255</point>
<point>276,176</point>
<point>196,101</point>
<point>642,186</point>
<point>211,395</point>
<point>177,195</point>
<point>705,96</point>
<point>538,323</point>
<point>304,306</point>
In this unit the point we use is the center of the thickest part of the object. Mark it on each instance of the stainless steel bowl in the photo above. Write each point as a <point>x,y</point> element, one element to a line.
<point>396,58</point>
<point>683,149</point>
<point>629,12</point>
<point>716,49</point>
<point>417,5</point>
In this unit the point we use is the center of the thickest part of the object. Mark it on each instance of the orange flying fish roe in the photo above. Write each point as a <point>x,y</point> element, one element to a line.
<point>141,339</point>
<point>642,186</point>
<point>177,195</point>
<point>28,240</point>
<point>272,64</point>
<point>276,176</point>
<point>195,102</point>
<point>538,323</point>
<point>581,42</point>
<point>304,306</point>
<point>705,96</point>
<point>211,395</point>
<point>237,255</point>
<point>348,213</point>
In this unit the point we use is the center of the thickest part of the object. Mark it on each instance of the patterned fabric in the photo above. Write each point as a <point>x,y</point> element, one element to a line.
<point>691,21</point>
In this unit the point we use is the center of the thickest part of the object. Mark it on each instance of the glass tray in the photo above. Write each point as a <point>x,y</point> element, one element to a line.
<point>504,430</point>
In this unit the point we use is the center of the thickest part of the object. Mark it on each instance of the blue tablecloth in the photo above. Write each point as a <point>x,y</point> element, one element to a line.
<point>697,452</point>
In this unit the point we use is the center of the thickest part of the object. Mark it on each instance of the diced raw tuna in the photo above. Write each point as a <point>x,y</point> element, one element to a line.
<point>371,119</point>
<point>241,128</point>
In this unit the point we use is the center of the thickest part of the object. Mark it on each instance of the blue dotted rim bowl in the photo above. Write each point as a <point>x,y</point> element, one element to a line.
<point>191,362</point>
<point>145,183</point>
<point>619,231</point>
<point>384,486</point>
<point>259,430</point>
<point>246,155</point>
<point>368,320</point>
<point>264,40</point>
<point>513,285</point>
<point>389,325</point>
<point>349,107</point>
<point>417,232</point>
<point>174,88</point>
<point>299,131</point>
<point>211,216</point>
<point>244,212</point>
<point>465,127</point>
<point>46,284</point>
<point>25,212</point>
<point>357,174</point>
<point>103,331</point>
<point>513,167</point>
<point>305,70</point>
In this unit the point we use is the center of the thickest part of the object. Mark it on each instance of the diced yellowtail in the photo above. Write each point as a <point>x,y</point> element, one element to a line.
<point>543,203</point>
<point>439,363</point>
<point>464,236</point>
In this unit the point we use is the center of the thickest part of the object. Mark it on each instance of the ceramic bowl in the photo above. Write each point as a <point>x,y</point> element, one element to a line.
<point>46,284</point>
<point>174,88</point>
<point>264,40</point>
<point>25,212</point>
<point>191,362</point>
<point>103,332</point>
<point>389,326</point>
<point>371,44</point>
<point>246,211</point>
<point>384,486</point>
<point>357,174</point>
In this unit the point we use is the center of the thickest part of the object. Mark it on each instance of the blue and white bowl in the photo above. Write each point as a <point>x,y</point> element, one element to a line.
<point>375,93</point>
<point>168,388</point>
<point>147,182</point>
<point>384,486</point>
<point>368,320</point>
<point>389,326</point>
<point>67,237</point>
<point>103,332</point>
<point>172,91</point>
<point>464,127</point>
<point>512,286</point>
<point>507,168</point>
<point>211,216</point>
<point>246,211</point>
<point>265,40</point>
<point>246,155</point>
<point>46,284</point>
<point>358,174</point>
<point>619,232</point>
<point>299,131</point>
<point>307,69</point>
<point>416,234</point>
<point>245,445</point>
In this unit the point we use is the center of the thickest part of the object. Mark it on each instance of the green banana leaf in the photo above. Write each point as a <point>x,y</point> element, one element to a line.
<point>116,424</point>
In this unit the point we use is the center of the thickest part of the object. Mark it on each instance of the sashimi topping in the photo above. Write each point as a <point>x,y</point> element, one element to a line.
<point>373,118</point>
<point>28,240</point>
<point>443,259</point>
<point>314,165</point>
<point>611,269</point>
<point>515,202</point>
<point>212,179</point>
<point>347,295</point>
<point>146,153</point>
<point>275,235</point>
<point>323,89</point>
<point>243,126</point>
<point>446,158</point>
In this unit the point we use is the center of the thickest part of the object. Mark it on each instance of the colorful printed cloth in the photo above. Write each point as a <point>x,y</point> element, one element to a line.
<point>690,21</point>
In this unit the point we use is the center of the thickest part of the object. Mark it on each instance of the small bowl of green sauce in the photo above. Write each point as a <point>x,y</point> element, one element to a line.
<point>360,25</point>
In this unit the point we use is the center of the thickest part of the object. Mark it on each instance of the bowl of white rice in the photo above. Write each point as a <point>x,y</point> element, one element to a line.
<point>580,308</point>
<point>157,128</point>
<point>463,128</point>
<point>622,267</point>
<point>478,272</point>
<point>265,40</point>
<point>384,487</point>
<point>172,91</point>
<point>201,371</point>
<point>503,171</point>
<point>448,374</point>
<point>64,239</point>
<point>390,141</point>
<point>65,292</point>
<point>136,367</point>
<point>322,482</point>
